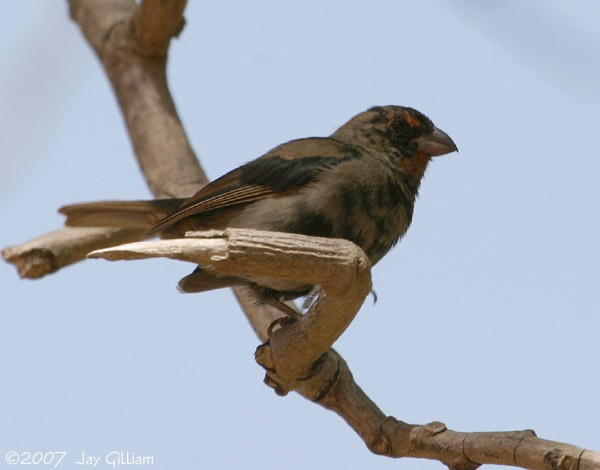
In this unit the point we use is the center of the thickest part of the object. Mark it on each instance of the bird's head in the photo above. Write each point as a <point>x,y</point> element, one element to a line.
<point>405,134</point>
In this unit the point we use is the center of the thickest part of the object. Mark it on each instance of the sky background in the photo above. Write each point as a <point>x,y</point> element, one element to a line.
<point>488,316</point>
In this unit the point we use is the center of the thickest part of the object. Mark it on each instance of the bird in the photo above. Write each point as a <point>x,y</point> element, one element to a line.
<point>359,184</point>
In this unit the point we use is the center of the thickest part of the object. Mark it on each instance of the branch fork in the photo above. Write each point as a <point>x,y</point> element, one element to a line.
<point>340,268</point>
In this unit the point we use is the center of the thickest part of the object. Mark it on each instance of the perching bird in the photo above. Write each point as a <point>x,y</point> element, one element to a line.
<point>359,184</point>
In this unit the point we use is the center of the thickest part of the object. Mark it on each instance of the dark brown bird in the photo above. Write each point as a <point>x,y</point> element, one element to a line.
<point>360,184</point>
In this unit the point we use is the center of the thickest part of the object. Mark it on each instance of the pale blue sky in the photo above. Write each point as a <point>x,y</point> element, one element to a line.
<point>489,310</point>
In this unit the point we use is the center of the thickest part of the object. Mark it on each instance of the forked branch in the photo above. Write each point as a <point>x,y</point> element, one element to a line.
<point>298,357</point>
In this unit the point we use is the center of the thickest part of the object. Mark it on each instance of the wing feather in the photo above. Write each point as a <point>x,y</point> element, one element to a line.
<point>284,168</point>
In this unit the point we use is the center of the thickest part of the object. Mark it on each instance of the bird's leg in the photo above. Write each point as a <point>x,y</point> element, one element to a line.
<point>291,314</point>
<point>311,298</point>
<point>270,297</point>
<point>284,308</point>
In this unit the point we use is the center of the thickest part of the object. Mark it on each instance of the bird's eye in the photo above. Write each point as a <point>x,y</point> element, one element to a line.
<point>401,130</point>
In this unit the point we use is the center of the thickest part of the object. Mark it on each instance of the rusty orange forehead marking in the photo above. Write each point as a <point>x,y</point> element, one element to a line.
<point>411,120</point>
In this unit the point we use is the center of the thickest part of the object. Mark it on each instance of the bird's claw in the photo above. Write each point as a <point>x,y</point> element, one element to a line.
<point>279,323</point>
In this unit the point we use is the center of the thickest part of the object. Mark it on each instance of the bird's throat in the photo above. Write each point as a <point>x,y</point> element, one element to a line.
<point>415,166</point>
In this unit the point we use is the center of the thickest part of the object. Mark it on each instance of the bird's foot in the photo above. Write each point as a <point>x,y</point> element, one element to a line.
<point>279,323</point>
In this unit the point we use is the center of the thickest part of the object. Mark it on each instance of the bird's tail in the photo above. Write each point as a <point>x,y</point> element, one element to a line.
<point>141,215</point>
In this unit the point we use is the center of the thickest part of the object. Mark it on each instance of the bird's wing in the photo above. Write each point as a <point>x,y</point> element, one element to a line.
<point>282,169</point>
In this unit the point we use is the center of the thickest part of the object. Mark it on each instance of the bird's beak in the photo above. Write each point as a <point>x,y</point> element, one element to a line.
<point>436,143</point>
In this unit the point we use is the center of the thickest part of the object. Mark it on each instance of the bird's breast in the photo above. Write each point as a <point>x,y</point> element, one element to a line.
<point>369,209</point>
<point>365,204</point>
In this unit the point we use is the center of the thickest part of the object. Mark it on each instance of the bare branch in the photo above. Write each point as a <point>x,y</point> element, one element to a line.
<point>155,22</point>
<point>298,356</point>
<point>55,250</point>
<point>115,30</point>
<point>98,18</point>
<point>338,266</point>
<point>138,77</point>
<point>385,435</point>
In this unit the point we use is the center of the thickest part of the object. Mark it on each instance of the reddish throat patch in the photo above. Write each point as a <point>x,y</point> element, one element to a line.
<point>415,166</point>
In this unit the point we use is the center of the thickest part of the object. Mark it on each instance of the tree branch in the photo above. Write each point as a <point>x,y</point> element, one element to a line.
<point>298,356</point>
<point>339,267</point>
<point>55,250</point>
<point>155,22</point>
<point>131,42</point>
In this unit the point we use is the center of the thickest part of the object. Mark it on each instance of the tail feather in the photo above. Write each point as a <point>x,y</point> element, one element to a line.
<point>141,215</point>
